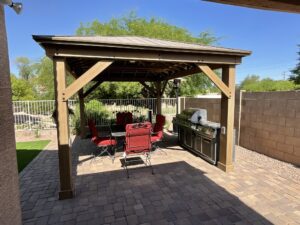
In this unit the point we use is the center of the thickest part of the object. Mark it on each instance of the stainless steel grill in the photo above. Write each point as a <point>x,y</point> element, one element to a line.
<point>197,134</point>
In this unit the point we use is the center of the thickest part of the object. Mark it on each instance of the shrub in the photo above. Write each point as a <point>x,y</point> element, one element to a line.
<point>93,110</point>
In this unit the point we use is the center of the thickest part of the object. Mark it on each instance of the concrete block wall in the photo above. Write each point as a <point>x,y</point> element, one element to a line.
<point>270,124</point>
<point>213,106</point>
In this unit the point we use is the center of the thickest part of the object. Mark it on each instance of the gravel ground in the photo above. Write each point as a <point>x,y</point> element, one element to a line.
<point>28,135</point>
<point>283,169</point>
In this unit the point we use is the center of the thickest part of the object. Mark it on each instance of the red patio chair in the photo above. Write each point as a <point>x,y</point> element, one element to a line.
<point>157,132</point>
<point>120,118</point>
<point>103,143</point>
<point>124,118</point>
<point>128,118</point>
<point>138,141</point>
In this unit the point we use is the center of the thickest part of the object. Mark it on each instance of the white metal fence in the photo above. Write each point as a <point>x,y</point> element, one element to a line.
<point>37,114</point>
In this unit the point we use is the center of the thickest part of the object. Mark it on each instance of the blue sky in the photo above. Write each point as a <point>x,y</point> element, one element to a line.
<point>271,36</point>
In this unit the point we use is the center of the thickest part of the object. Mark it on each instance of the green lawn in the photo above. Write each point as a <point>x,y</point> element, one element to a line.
<point>27,151</point>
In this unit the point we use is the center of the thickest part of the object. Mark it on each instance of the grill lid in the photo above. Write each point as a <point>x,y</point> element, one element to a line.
<point>194,115</point>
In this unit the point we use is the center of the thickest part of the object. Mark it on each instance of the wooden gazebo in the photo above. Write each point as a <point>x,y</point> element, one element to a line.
<point>97,59</point>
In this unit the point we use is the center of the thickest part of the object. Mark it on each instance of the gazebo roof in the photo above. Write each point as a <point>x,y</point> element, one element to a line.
<point>292,6</point>
<point>137,58</point>
<point>135,42</point>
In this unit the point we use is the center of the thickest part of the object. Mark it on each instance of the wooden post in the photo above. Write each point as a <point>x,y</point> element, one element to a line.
<point>158,97</point>
<point>227,120</point>
<point>82,114</point>
<point>64,150</point>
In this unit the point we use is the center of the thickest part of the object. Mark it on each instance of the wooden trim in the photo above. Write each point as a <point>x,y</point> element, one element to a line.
<point>207,58</point>
<point>91,89</point>
<point>215,79</point>
<point>85,78</point>
<point>148,87</point>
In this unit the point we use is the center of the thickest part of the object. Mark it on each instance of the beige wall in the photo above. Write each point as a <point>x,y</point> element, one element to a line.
<point>10,212</point>
<point>213,106</point>
<point>270,124</point>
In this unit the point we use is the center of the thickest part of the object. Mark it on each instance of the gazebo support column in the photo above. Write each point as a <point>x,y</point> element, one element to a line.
<point>227,120</point>
<point>158,97</point>
<point>64,150</point>
<point>82,114</point>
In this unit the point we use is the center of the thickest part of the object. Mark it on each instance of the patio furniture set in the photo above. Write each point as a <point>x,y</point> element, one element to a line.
<point>133,138</point>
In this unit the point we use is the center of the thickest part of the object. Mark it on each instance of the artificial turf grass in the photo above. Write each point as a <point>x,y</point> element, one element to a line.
<point>27,151</point>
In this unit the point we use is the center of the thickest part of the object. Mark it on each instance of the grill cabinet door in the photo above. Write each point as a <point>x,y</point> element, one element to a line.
<point>188,138</point>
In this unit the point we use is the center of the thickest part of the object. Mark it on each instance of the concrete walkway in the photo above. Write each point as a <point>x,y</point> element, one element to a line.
<point>184,190</point>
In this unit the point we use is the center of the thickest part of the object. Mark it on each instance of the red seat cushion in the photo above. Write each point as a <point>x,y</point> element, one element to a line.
<point>155,138</point>
<point>104,141</point>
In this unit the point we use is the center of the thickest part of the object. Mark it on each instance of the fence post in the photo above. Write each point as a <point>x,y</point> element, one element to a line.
<point>29,115</point>
<point>240,116</point>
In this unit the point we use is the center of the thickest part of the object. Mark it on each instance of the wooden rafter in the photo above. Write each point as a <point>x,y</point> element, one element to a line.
<point>85,78</point>
<point>91,89</point>
<point>215,79</point>
<point>183,73</point>
<point>68,68</point>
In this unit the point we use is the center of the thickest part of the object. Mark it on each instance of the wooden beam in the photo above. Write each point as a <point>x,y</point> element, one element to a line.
<point>227,120</point>
<point>82,114</point>
<point>215,79</point>
<point>148,87</point>
<point>62,119</point>
<point>85,78</point>
<point>91,89</point>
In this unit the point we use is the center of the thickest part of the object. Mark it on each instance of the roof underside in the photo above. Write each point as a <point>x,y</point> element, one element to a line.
<point>137,58</point>
<point>292,6</point>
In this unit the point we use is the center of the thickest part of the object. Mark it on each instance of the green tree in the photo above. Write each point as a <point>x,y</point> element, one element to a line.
<point>254,83</point>
<point>109,90</point>
<point>25,67</point>
<point>295,77</point>
<point>131,24</point>
<point>21,89</point>
<point>44,81</point>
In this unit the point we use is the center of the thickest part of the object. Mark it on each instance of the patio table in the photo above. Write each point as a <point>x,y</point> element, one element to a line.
<point>119,136</point>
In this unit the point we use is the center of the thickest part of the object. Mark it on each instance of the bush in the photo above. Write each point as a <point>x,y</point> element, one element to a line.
<point>93,110</point>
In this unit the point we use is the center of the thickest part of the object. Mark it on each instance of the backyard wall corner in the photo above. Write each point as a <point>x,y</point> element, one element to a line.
<point>10,210</point>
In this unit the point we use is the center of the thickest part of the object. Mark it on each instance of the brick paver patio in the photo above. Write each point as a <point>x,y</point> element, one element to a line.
<point>184,190</point>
